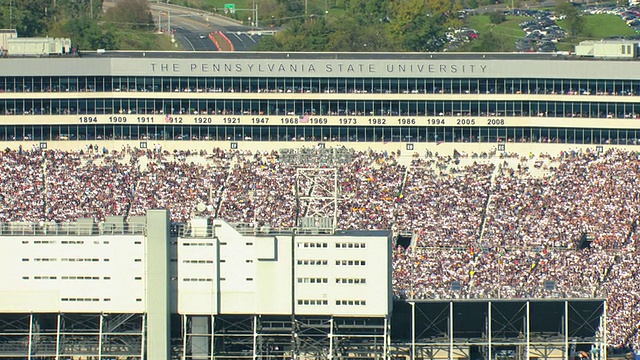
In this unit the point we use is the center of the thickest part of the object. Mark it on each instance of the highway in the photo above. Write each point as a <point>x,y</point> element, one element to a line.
<point>193,26</point>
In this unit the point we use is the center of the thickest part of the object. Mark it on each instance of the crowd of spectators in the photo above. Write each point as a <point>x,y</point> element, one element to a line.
<point>483,226</point>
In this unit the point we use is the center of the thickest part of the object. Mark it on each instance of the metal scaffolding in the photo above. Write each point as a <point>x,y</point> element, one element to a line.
<point>72,336</point>
<point>317,198</point>
<point>229,337</point>
<point>505,329</point>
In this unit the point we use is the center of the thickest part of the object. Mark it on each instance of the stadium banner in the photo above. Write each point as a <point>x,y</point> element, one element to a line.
<point>317,120</point>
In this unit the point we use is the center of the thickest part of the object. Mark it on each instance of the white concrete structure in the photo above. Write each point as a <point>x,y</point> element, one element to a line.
<point>203,282</point>
<point>617,49</point>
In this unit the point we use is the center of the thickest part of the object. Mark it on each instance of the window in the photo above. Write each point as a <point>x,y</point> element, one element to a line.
<point>73,242</point>
<point>79,259</point>
<point>312,302</point>
<point>82,299</point>
<point>313,262</point>
<point>312,244</point>
<point>351,302</point>
<point>351,245</point>
<point>197,261</point>
<point>351,281</point>
<point>351,262</point>
<point>200,244</point>
<point>310,280</point>
<point>197,279</point>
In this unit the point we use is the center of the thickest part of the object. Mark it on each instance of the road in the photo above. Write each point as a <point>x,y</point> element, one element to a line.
<point>190,24</point>
<point>192,27</point>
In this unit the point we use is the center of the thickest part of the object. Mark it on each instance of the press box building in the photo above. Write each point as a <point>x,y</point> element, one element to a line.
<point>148,289</point>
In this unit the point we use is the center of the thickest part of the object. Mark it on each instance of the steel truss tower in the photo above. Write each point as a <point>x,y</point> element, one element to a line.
<point>317,197</point>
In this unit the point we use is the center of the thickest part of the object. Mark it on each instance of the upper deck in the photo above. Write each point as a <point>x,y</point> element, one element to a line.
<point>319,65</point>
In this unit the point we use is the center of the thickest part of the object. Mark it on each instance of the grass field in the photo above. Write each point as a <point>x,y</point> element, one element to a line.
<point>596,27</point>
<point>602,26</point>
<point>509,31</point>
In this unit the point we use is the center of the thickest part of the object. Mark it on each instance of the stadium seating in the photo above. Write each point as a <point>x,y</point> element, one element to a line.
<point>483,227</point>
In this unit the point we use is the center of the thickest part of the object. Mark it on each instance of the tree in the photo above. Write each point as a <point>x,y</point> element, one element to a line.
<point>87,35</point>
<point>133,14</point>
<point>573,17</point>
<point>28,17</point>
<point>487,42</point>
<point>418,26</point>
<point>497,17</point>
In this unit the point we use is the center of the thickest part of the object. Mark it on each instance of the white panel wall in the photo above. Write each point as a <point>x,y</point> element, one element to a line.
<point>274,278</point>
<point>249,281</point>
<point>72,273</point>
<point>368,298</point>
<point>197,276</point>
<point>238,271</point>
<point>252,283</point>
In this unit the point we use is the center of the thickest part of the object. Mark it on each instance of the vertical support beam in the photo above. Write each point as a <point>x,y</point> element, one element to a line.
<point>255,337</point>
<point>213,327</point>
<point>527,350</point>
<point>603,345</point>
<point>566,330</point>
<point>257,18</point>
<point>100,330</point>
<point>330,338</point>
<point>58,322</point>
<point>385,349</point>
<point>451,330</point>
<point>413,330</point>
<point>157,290</point>
<point>30,342</point>
<point>185,333</point>
<point>143,348</point>
<point>489,331</point>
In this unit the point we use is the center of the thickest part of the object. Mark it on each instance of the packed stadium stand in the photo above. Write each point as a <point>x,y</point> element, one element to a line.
<point>508,183</point>
<point>496,225</point>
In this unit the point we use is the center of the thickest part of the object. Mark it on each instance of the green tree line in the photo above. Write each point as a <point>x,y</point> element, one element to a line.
<point>81,20</point>
<point>364,25</point>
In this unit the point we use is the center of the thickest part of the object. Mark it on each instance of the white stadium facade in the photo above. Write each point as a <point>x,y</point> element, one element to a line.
<point>211,290</point>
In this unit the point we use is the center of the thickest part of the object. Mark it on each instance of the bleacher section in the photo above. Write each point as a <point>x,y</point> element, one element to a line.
<point>481,226</point>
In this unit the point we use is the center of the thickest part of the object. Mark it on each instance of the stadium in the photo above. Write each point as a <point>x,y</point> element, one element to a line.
<point>319,206</point>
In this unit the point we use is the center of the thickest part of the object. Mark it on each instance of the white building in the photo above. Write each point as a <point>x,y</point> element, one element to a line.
<point>116,290</point>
